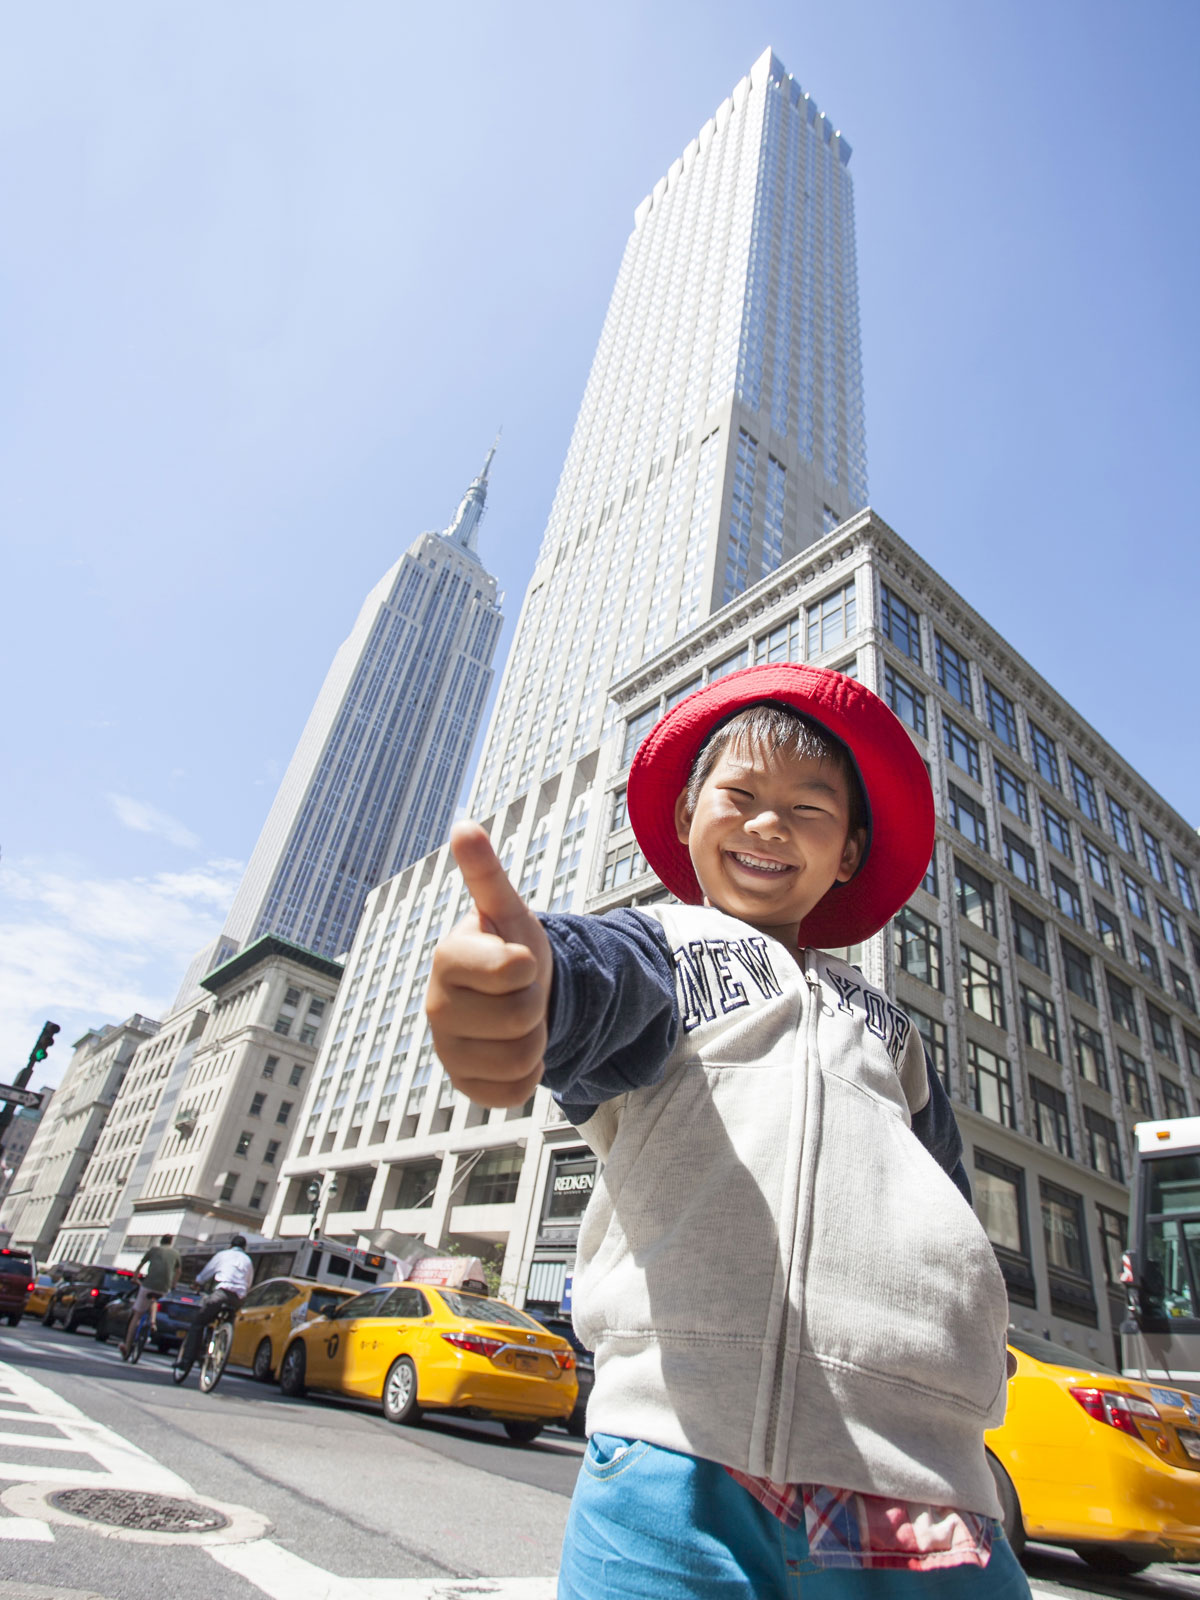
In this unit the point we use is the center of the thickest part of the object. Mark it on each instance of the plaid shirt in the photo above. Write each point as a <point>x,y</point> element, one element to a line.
<point>851,1530</point>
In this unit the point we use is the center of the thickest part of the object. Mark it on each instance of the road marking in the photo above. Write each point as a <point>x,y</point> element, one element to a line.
<point>284,1576</point>
<point>26,1528</point>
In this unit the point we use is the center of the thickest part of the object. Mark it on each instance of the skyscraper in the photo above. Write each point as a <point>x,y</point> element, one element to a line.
<point>375,776</point>
<point>720,434</point>
<point>721,429</point>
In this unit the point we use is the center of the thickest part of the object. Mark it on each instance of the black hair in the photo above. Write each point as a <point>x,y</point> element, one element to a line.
<point>238,1242</point>
<point>772,726</point>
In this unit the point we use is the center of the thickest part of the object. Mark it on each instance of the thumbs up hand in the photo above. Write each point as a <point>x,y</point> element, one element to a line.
<point>489,987</point>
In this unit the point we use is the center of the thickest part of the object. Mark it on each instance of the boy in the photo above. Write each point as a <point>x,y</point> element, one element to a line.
<point>798,1322</point>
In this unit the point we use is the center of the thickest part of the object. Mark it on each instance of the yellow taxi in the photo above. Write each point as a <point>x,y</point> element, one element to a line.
<point>416,1347</point>
<point>271,1313</point>
<point>38,1297</point>
<point>1107,1465</point>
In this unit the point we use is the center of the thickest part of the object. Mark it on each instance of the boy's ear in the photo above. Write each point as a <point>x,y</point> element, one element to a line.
<point>852,855</point>
<point>683,817</point>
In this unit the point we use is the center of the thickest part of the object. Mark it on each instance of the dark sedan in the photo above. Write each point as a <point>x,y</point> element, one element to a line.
<point>81,1302</point>
<point>172,1319</point>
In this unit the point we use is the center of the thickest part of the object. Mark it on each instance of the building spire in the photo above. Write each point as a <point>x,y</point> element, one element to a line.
<point>470,508</point>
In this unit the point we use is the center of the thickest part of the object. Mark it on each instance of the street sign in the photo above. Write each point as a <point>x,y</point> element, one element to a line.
<point>20,1097</point>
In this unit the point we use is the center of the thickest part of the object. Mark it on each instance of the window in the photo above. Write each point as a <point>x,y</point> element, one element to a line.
<point>982,988</point>
<point>1162,1034</point>
<point>901,624</point>
<point>494,1178</point>
<point>1135,897</point>
<point>256,1195</point>
<point>418,1181</point>
<point>976,896</point>
<point>781,644</point>
<point>1170,926</point>
<point>243,1144</point>
<point>1045,755</point>
<point>1066,896</point>
<point>1089,1053</point>
<point>1077,965</point>
<point>1114,1231</point>
<point>1153,853</point>
<point>905,699</point>
<point>1191,1050</point>
<point>1001,714</point>
<point>933,1036</point>
<point>1181,985</point>
<point>1118,818</point>
<point>930,881</point>
<point>621,865</point>
<point>1103,1147</point>
<point>256,1105</point>
<point>1029,936</point>
<point>284,1112</point>
<point>674,696</point>
<point>228,1186</point>
<point>831,620</point>
<point>1057,830</point>
<point>1147,959</point>
<point>1096,861</point>
<point>954,672</point>
<point>733,663</point>
<point>968,817</point>
<point>1051,1122</point>
<point>1135,1085</point>
<point>272,1152</point>
<point>1120,999</point>
<point>1084,790</point>
<point>1011,791</point>
<point>1174,1100</point>
<point>1183,884</point>
<point>636,730</point>
<point>1019,859</point>
<point>1108,929</point>
<point>1062,1225</point>
<point>1000,1205</point>
<point>991,1084</point>
<point>1039,1023</point>
<point>961,747</point>
<point>296,1076</point>
<point>269,1066</point>
<point>283,1025</point>
<point>918,946</point>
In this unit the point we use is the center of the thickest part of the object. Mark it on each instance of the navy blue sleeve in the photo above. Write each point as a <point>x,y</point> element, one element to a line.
<point>612,1019</point>
<point>936,1127</point>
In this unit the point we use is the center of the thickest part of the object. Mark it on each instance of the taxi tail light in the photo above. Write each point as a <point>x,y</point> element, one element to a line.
<point>474,1343</point>
<point>1118,1410</point>
<point>566,1361</point>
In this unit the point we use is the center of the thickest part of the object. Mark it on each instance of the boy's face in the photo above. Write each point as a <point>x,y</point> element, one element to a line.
<point>770,836</point>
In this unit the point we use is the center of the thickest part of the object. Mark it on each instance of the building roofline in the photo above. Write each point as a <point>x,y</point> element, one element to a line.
<point>269,947</point>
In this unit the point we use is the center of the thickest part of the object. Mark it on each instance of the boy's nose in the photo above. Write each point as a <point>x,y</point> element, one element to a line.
<point>766,822</point>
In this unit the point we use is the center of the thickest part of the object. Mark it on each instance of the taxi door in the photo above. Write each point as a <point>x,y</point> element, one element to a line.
<point>330,1343</point>
<point>380,1337</point>
<point>251,1323</point>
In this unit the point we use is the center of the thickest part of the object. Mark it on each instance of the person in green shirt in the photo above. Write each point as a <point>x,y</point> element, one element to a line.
<point>163,1265</point>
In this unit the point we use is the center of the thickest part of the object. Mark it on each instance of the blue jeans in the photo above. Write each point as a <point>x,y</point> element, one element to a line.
<point>651,1524</point>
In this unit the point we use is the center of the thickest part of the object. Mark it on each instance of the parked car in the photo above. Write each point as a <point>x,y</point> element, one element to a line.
<point>416,1347</point>
<point>1107,1465</point>
<point>271,1313</point>
<point>171,1320</point>
<point>16,1280</point>
<point>585,1366</point>
<point>80,1302</point>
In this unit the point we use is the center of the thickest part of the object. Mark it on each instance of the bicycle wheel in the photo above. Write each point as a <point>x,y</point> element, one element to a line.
<point>216,1354</point>
<point>139,1339</point>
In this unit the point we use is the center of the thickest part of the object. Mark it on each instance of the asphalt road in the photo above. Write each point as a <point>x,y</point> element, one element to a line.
<point>328,1501</point>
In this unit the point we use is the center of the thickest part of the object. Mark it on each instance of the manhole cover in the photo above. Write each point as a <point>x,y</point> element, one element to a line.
<point>134,1508</point>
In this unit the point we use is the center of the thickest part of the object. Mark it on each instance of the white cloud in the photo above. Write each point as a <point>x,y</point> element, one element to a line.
<point>145,818</point>
<point>83,950</point>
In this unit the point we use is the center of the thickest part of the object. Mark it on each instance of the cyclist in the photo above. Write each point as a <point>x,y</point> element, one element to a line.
<point>163,1265</point>
<point>232,1272</point>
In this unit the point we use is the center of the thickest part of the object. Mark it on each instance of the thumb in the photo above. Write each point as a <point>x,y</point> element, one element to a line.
<point>497,902</point>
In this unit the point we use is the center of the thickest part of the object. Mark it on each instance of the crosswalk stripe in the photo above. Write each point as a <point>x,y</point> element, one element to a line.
<point>284,1576</point>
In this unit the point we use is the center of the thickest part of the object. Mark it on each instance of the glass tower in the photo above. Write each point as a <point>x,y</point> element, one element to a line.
<point>375,776</point>
<point>721,429</point>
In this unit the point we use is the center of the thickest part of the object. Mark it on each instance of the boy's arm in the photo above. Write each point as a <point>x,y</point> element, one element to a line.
<point>936,1127</point>
<point>504,1001</point>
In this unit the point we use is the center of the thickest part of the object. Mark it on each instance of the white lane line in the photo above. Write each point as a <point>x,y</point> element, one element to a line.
<point>28,1528</point>
<point>284,1576</point>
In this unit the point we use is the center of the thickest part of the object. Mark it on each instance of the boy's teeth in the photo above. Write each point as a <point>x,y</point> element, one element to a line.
<point>759,865</point>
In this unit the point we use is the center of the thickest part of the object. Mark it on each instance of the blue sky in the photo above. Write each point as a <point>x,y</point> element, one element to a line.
<point>271,276</point>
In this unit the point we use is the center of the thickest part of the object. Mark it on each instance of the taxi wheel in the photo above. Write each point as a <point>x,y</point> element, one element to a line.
<point>400,1392</point>
<point>291,1371</point>
<point>1102,1558</point>
<point>523,1432</point>
<point>1010,1506</point>
<point>262,1362</point>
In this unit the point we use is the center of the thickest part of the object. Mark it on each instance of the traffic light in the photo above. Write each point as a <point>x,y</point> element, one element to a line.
<point>45,1040</point>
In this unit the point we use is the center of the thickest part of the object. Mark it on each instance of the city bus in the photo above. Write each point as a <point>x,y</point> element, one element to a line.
<point>1160,1337</point>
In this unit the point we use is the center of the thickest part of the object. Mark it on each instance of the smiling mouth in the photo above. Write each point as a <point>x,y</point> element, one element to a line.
<point>759,864</point>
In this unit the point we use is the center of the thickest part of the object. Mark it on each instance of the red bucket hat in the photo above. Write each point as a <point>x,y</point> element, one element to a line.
<point>895,786</point>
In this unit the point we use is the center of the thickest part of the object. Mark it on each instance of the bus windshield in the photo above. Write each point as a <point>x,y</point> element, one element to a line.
<point>1171,1242</point>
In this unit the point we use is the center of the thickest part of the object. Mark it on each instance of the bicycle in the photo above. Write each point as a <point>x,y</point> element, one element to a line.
<point>214,1352</point>
<point>141,1337</point>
